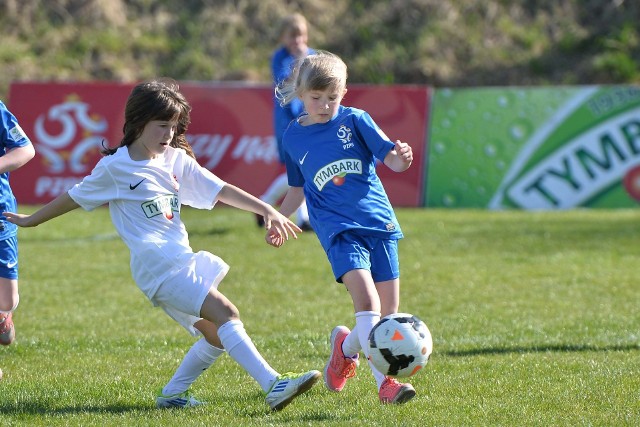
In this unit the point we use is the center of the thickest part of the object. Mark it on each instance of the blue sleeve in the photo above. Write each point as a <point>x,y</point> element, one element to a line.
<point>375,139</point>
<point>294,175</point>
<point>11,134</point>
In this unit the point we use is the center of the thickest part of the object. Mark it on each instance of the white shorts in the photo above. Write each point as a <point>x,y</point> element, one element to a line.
<point>181,295</point>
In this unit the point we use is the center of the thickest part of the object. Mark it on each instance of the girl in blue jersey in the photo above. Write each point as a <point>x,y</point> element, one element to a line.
<point>15,151</point>
<point>145,181</point>
<point>331,154</point>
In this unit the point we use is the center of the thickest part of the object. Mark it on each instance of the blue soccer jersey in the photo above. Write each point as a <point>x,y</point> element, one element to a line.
<point>335,162</point>
<point>11,136</point>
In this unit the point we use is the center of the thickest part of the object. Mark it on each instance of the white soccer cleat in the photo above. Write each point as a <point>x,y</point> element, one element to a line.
<point>179,400</point>
<point>288,386</point>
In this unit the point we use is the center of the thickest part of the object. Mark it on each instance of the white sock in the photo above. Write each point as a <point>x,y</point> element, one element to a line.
<point>276,190</point>
<point>199,357</point>
<point>351,344</point>
<point>240,347</point>
<point>365,321</point>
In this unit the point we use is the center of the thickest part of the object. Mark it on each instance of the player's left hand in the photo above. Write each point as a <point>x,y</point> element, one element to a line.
<point>404,151</point>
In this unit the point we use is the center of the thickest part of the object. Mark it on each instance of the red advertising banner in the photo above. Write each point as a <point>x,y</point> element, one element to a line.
<point>231,132</point>
<point>402,112</point>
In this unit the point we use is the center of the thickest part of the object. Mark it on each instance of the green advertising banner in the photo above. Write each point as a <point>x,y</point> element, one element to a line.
<point>534,148</point>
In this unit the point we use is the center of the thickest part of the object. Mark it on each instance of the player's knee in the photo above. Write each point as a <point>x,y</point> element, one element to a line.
<point>234,313</point>
<point>9,305</point>
<point>228,312</point>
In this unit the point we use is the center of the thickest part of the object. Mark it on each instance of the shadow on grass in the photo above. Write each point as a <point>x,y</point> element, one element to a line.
<point>558,348</point>
<point>45,408</point>
<point>114,236</point>
<point>70,239</point>
<point>195,231</point>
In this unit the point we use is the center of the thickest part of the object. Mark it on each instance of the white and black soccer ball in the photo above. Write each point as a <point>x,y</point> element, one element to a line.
<point>400,345</point>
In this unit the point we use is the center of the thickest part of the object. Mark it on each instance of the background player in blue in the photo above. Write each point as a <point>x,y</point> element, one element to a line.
<point>331,153</point>
<point>15,151</point>
<point>293,46</point>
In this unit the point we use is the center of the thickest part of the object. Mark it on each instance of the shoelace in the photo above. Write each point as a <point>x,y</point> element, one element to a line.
<point>348,368</point>
<point>389,386</point>
<point>288,376</point>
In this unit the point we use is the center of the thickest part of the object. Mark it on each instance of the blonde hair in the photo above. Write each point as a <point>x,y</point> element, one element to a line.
<point>293,22</point>
<point>320,71</point>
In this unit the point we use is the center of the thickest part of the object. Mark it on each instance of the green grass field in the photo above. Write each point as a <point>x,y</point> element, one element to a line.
<point>535,319</point>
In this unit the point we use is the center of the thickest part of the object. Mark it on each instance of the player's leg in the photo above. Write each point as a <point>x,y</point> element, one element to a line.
<point>8,303</point>
<point>391,390</point>
<point>349,259</point>
<point>366,304</point>
<point>9,296</point>
<point>385,270</point>
<point>192,299</point>
<point>389,292</point>
<point>280,389</point>
<point>218,309</point>
<point>386,273</point>
<point>198,359</point>
<point>181,296</point>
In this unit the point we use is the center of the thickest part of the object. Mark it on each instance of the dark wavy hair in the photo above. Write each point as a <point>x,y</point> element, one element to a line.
<point>158,99</point>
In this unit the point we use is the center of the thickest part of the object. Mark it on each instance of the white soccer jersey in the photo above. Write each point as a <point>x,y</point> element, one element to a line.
<point>144,200</point>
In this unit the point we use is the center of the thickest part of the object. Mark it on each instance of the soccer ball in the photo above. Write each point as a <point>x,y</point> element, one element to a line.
<point>400,345</point>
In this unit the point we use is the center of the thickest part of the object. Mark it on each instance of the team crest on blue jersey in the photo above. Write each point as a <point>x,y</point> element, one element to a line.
<point>390,226</point>
<point>17,134</point>
<point>345,135</point>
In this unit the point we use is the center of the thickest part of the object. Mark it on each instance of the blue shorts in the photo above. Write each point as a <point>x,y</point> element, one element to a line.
<point>9,258</point>
<point>350,251</point>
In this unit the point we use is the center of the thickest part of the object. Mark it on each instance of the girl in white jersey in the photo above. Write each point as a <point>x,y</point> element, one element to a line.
<point>145,180</point>
<point>331,155</point>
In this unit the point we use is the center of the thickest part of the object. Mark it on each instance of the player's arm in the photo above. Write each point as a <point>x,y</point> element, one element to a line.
<point>292,201</point>
<point>16,158</point>
<point>400,157</point>
<point>58,206</point>
<point>274,220</point>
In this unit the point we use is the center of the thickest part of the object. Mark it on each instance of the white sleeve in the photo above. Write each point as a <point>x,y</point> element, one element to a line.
<point>95,189</point>
<point>200,187</point>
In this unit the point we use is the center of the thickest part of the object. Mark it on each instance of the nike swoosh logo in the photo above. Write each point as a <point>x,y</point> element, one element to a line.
<point>12,264</point>
<point>303,157</point>
<point>133,187</point>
